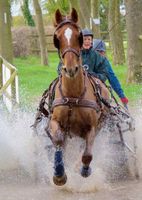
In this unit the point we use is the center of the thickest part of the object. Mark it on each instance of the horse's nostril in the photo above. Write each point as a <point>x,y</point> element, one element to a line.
<point>65,69</point>
<point>76,68</point>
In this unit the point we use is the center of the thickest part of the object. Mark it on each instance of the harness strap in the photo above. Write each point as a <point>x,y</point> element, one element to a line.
<point>76,102</point>
<point>48,93</point>
<point>69,49</point>
<point>97,89</point>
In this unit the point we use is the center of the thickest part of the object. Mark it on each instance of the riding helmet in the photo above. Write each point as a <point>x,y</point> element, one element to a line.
<point>87,32</point>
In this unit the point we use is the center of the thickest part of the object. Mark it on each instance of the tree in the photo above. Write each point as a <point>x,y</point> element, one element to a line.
<point>134,29</point>
<point>53,5</point>
<point>6,49</point>
<point>75,4</point>
<point>115,33</point>
<point>103,12</point>
<point>26,13</point>
<point>40,29</point>
<point>84,6</point>
<point>95,16</point>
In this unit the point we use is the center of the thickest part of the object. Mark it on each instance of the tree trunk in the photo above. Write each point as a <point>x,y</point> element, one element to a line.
<point>75,4</point>
<point>84,6</point>
<point>40,28</point>
<point>6,49</point>
<point>95,18</point>
<point>26,13</point>
<point>115,33</point>
<point>134,29</point>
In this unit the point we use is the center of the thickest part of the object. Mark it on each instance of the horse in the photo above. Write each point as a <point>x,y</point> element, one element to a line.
<point>76,110</point>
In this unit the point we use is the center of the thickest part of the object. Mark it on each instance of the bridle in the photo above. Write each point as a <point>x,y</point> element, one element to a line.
<point>68,49</point>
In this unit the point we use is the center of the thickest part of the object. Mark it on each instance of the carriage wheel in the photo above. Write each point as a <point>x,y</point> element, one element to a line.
<point>131,151</point>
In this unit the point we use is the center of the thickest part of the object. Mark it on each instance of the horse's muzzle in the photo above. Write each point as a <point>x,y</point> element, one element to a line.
<point>71,72</point>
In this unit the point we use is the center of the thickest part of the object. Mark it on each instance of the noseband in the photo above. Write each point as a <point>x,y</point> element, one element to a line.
<point>68,49</point>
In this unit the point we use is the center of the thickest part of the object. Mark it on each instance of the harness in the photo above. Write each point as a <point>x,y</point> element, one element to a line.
<point>77,101</point>
<point>46,107</point>
<point>49,102</point>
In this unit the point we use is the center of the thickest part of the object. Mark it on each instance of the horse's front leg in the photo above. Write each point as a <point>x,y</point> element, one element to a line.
<point>58,137</point>
<point>87,155</point>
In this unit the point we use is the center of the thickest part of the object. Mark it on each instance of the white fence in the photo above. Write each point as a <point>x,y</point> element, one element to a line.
<point>8,84</point>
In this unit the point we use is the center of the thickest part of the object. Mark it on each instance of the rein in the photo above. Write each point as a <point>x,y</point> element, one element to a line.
<point>69,49</point>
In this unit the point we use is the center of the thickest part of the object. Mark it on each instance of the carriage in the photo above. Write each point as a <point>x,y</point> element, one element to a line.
<point>78,104</point>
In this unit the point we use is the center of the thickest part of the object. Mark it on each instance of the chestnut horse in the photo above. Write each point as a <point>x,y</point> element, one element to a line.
<point>75,109</point>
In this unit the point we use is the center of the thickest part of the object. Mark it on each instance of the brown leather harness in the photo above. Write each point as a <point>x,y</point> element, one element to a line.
<point>71,101</point>
<point>77,101</point>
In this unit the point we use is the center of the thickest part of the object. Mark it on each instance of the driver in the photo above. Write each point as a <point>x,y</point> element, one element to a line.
<point>100,47</point>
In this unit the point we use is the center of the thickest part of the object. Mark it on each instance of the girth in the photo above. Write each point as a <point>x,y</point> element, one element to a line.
<point>75,102</point>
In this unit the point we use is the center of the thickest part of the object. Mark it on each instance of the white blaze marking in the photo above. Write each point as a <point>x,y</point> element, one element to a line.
<point>68,34</point>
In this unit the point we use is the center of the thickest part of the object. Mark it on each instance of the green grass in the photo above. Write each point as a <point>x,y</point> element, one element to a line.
<point>35,78</point>
<point>132,91</point>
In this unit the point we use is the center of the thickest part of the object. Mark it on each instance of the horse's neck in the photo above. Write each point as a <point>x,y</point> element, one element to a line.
<point>73,87</point>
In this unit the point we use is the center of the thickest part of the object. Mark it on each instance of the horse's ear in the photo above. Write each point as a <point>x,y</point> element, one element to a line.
<point>74,15</point>
<point>58,16</point>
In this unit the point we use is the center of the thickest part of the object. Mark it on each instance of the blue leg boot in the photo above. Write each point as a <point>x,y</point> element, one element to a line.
<point>59,177</point>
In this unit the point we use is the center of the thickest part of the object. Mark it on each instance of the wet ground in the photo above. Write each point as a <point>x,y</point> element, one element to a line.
<point>128,190</point>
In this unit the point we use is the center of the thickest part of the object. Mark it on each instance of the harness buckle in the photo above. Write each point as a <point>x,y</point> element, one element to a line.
<point>77,101</point>
<point>86,67</point>
<point>66,100</point>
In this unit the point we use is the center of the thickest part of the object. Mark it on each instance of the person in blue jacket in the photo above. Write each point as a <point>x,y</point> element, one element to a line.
<point>94,63</point>
<point>100,47</point>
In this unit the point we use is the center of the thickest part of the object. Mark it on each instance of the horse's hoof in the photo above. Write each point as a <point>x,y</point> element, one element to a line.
<point>60,180</point>
<point>85,171</point>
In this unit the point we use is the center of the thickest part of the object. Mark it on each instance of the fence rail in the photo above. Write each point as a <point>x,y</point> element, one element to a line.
<point>35,47</point>
<point>9,91</point>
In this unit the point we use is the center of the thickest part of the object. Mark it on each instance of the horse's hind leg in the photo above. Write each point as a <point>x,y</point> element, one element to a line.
<point>59,177</point>
<point>87,155</point>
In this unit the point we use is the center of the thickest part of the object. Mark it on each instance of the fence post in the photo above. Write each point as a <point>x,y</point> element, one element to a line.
<point>13,86</point>
<point>9,84</point>
<point>140,37</point>
<point>0,72</point>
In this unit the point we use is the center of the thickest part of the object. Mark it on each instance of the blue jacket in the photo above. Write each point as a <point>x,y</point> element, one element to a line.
<point>101,67</point>
<point>97,64</point>
<point>114,82</point>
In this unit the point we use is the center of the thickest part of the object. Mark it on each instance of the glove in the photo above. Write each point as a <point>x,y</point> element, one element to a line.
<point>124,100</point>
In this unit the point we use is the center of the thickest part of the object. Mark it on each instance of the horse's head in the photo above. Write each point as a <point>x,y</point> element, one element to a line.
<point>68,40</point>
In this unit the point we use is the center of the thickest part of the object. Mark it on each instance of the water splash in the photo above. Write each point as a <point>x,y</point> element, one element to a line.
<point>16,142</point>
<point>20,148</point>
